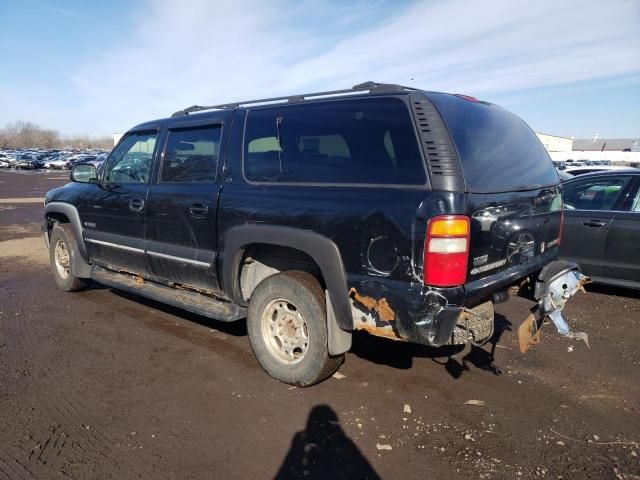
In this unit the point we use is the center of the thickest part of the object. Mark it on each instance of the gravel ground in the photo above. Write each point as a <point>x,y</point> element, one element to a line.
<point>100,384</point>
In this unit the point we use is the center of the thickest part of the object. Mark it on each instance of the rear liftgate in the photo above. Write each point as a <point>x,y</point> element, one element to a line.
<point>556,284</point>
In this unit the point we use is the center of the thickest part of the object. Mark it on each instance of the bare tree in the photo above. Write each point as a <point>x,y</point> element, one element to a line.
<point>22,134</point>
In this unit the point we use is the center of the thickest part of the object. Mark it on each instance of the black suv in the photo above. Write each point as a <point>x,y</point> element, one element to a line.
<point>396,211</point>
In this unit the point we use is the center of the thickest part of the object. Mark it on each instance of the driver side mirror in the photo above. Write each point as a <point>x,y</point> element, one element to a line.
<point>84,173</point>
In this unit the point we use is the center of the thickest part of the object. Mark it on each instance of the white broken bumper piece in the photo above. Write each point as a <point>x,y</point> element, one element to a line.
<point>561,290</point>
<point>556,284</point>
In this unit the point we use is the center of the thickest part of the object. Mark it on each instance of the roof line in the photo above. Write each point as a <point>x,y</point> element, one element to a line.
<point>370,87</point>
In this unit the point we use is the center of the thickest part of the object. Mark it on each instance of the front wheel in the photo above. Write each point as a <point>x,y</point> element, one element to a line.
<point>287,326</point>
<point>62,248</point>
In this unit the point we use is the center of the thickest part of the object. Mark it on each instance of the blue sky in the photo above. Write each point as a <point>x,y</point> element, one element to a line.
<point>567,67</point>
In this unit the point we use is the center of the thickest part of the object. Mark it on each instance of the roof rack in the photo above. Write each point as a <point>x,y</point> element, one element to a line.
<point>371,87</point>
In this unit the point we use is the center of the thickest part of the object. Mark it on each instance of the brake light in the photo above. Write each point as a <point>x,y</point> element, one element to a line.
<point>468,98</point>
<point>446,251</point>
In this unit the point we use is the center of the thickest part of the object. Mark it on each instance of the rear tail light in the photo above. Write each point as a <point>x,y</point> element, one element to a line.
<point>468,98</point>
<point>446,251</point>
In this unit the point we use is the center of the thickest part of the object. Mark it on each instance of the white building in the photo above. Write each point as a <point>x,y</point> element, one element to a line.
<point>622,151</point>
<point>554,143</point>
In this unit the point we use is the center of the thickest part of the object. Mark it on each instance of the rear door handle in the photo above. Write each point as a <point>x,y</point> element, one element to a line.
<point>594,223</point>
<point>198,210</point>
<point>136,204</point>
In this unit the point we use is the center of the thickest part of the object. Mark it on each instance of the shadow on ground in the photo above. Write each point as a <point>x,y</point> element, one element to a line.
<point>323,451</point>
<point>400,355</point>
<point>237,329</point>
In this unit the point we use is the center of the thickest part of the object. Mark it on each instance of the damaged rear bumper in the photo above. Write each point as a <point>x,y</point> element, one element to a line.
<point>421,315</point>
<point>438,317</point>
<point>416,314</point>
<point>556,284</point>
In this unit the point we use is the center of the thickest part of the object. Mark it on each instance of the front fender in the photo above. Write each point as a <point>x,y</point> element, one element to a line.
<point>81,266</point>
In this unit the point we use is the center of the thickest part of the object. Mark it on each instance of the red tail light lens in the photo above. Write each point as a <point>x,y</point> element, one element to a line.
<point>469,98</point>
<point>446,251</point>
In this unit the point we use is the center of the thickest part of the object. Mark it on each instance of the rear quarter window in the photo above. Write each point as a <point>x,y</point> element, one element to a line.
<point>498,151</point>
<point>359,141</point>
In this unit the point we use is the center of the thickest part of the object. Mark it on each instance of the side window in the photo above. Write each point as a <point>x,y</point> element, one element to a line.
<point>191,155</point>
<point>596,194</point>
<point>131,161</point>
<point>636,203</point>
<point>361,141</point>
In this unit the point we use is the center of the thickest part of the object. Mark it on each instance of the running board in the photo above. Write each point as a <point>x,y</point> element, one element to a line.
<point>185,299</point>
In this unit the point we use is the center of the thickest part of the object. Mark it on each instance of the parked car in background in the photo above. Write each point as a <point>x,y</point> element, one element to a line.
<point>83,159</point>
<point>59,162</point>
<point>564,175</point>
<point>28,164</point>
<point>50,159</point>
<point>596,168</point>
<point>602,226</point>
<point>29,161</point>
<point>96,161</point>
<point>10,156</point>
<point>560,164</point>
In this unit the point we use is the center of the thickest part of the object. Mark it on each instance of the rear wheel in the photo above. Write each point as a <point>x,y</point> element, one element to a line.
<point>62,248</point>
<point>287,326</point>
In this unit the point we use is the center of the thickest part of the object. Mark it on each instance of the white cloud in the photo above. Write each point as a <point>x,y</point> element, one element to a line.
<point>181,53</point>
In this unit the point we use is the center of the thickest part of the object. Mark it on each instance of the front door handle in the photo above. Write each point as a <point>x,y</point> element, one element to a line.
<point>594,223</point>
<point>136,204</point>
<point>199,210</point>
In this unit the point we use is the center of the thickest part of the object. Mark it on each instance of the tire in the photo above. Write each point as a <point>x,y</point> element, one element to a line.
<point>287,326</point>
<point>62,248</point>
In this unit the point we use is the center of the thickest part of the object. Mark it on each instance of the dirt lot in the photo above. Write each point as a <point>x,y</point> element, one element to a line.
<point>100,384</point>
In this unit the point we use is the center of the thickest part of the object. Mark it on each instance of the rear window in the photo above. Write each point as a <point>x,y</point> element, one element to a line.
<point>361,141</point>
<point>498,151</point>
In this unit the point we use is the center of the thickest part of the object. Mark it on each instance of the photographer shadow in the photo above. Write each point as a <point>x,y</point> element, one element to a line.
<point>324,451</point>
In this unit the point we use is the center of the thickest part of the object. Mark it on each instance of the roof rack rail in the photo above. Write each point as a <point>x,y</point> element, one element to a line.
<point>371,87</point>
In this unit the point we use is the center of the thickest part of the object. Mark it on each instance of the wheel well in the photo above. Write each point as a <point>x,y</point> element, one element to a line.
<point>260,261</point>
<point>55,217</point>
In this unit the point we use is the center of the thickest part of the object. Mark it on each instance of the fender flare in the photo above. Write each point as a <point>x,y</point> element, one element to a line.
<point>323,251</point>
<point>81,265</point>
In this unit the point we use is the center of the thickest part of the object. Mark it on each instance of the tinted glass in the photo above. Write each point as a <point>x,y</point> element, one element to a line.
<point>636,203</point>
<point>191,155</point>
<point>582,171</point>
<point>130,161</point>
<point>366,141</point>
<point>498,151</point>
<point>595,194</point>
